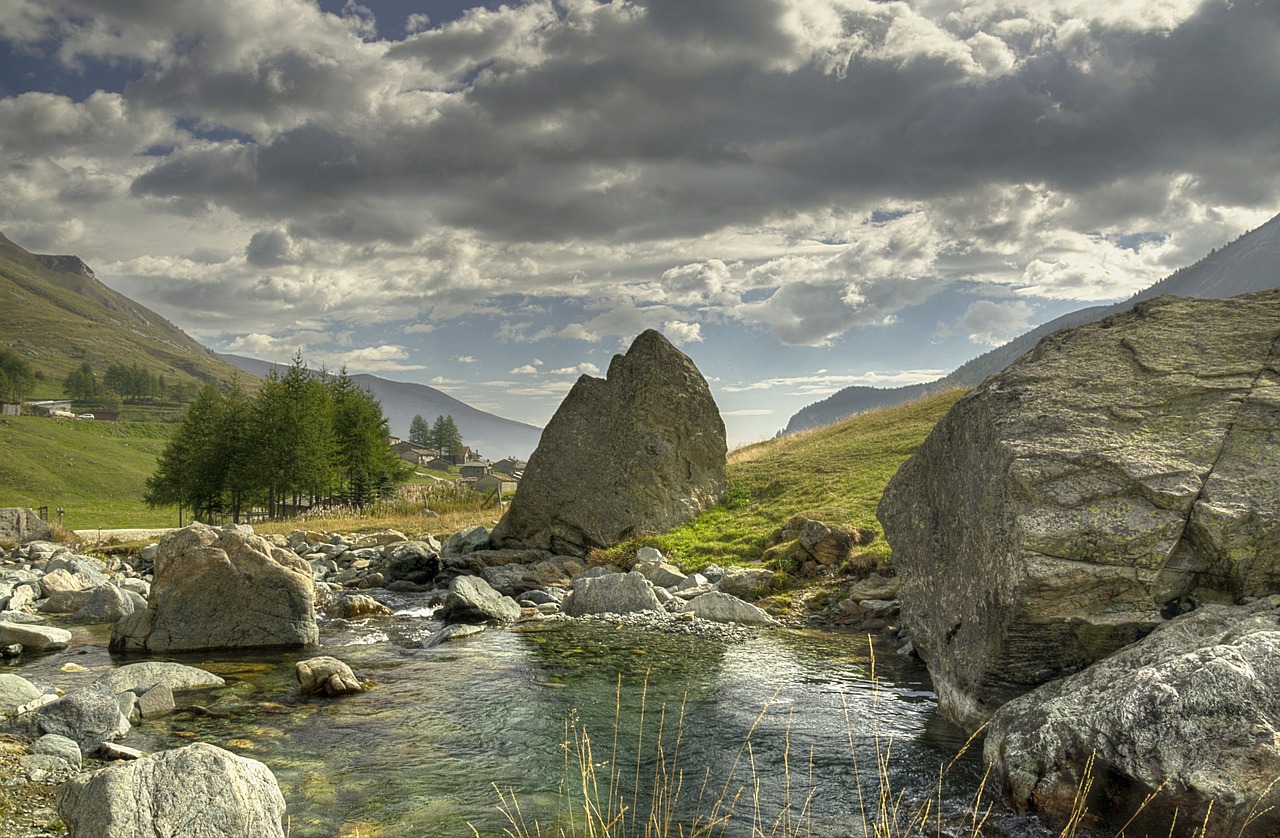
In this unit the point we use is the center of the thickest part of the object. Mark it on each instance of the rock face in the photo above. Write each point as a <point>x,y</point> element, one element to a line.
<point>642,450</point>
<point>199,791</point>
<point>22,525</point>
<point>1195,705</point>
<point>1117,475</point>
<point>222,589</point>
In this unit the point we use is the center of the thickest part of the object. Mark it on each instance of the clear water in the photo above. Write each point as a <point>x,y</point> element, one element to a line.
<point>785,718</point>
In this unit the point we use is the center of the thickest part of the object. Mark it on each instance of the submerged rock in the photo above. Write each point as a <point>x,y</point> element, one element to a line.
<point>1117,475</point>
<point>326,675</point>
<point>200,791</point>
<point>641,450</point>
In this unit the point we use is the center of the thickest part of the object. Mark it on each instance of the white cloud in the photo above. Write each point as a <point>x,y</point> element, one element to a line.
<point>995,323</point>
<point>823,381</point>
<point>585,368</point>
<point>525,369</point>
<point>465,359</point>
<point>748,412</point>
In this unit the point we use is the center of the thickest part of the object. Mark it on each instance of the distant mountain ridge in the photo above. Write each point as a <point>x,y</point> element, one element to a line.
<point>1250,263</point>
<point>493,436</point>
<point>56,314</point>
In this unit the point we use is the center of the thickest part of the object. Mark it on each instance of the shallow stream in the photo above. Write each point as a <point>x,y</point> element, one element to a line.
<point>788,722</point>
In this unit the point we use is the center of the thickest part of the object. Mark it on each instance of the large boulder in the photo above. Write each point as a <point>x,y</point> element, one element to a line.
<point>1117,475</point>
<point>641,450</point>
<point>222,589</point>
<point>1192,709</point>
<point>200,791</point>
<point>18,525</point>
<point>612,593</point>
<point>472,600</point>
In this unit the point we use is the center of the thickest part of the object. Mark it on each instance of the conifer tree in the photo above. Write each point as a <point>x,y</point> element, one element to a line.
<point>420,432</point>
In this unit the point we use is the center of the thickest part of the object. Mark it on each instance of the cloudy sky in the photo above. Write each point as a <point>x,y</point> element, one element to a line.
<point>801,194</point>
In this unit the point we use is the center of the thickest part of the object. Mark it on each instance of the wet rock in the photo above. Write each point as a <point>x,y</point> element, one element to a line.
<point>456,631</point>
<point>155,702</point>
<point>200,791</point>
<point>175,676</point>
<point>641,450</point>
<point>472,600</point>
<point>34,638</point>
<point>326,675</point>
<point>356,607</point>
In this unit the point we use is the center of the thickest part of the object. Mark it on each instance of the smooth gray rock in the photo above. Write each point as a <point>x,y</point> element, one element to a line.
<point>722,608</point>
<point>472,600</point>
<point>222,589</point>
<point>457,631</point>
<point>20,526</point>
<point>89,716</point>
<point>59,746</point>
<point>200,791</point>
<point>16,691</point>
<point>1119,474</point>
<point>639,451</point>
<point>615,593</point>
<point>175,676</point>
<point>34,638</point>
<point>660,573</point>
<point>1194,705</point>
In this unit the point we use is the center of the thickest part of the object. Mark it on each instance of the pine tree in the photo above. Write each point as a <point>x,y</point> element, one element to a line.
<point>192,468</point>
<point>420,432</point>
<point>446,438</point>
<point>360,431</point>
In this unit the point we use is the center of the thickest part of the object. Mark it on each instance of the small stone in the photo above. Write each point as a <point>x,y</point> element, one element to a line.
<point>156,702</point>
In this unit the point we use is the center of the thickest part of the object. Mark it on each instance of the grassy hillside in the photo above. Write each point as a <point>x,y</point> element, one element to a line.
<point>835,474</point>
<point>96,471</point>
<point>57,315</point>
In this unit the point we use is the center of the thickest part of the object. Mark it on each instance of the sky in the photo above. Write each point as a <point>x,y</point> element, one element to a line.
<point>494,199</point>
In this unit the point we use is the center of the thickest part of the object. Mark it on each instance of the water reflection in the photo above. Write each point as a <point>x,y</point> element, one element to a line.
<point>421,752</point>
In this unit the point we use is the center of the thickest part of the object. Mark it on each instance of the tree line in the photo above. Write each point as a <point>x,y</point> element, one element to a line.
<point>120,382</point>
<point>443,436</point>
<point>304,438</point>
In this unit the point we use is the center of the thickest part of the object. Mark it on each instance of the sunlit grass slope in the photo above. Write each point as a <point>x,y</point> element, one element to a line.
<point>835,474</point>
<point>97,471</point>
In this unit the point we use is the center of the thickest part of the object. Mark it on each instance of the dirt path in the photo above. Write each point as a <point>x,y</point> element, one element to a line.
<point>118,536</point>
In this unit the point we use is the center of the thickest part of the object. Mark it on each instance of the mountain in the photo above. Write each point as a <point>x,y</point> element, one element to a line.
<point>56,314</point>
<point>493,436</point>
<point>1250,263</point>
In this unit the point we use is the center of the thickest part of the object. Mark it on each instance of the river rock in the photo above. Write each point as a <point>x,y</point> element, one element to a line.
<point>356,607</point>
<point>20,526</point>
<point>33,638</point>
<point>1195,705</point>
<point>155,702</point>
<point>472,600</point>
<point>457,631</point>
<point>721,608</point>
<point>412,561</point>
<point>614,593</point>
<point>89,716</point>
<point>61,747</point>
<point>200,791</point>
<point>641,450</point>
<point>662,574</point>
<point>222,589</point>
<point>1119,474</point>
<point>16,691</point>
<point>326,675</point>
<point>175,676</point>
<point>467,540</point>
<point>107,603</point>
<point>744,582</point>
